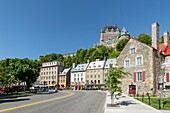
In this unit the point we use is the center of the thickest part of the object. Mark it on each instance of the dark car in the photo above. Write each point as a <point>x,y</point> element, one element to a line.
<point>6,90</point>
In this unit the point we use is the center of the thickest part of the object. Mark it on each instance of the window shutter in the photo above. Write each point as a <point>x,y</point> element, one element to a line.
<point>134,76</point>
<point>143,76</point>
<point>167,77</point>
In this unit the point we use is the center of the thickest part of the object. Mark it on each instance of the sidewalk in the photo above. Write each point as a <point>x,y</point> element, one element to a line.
<point>128,105</point>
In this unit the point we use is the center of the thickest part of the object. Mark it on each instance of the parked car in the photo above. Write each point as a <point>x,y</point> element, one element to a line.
<point>6,90</point>
<point>52,90</point>
<point>59,88</point>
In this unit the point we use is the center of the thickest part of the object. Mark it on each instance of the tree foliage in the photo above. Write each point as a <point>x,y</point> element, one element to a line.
<point>145,38</point>
<point>20,70</point>
<point>51,57</point>
<point>121,44</point>
<point>162,39</point>
<point>113,82</point>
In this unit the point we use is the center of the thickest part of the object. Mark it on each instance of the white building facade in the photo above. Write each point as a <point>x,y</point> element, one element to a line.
<point>78,76</point>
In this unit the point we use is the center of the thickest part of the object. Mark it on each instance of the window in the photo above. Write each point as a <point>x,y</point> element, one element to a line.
<point>94,76</point>
<point>127,63</point>
<point>98,76</point>
<point>74,79</point>
<point>99,65</point>
<point>132,50</point>
<point>91,76</point>
<point>94,81</point>
<point>168,60</point>
<point>74,75</point>
<point>78,79</point>
<point>98,81</point>
<point>167,87</point>
<point>139,76</point>
<point>81,79</point>
<point>139,61</point>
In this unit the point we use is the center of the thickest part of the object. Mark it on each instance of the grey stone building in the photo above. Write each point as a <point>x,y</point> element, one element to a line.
<point>110,35</point>
<point>143,62</point>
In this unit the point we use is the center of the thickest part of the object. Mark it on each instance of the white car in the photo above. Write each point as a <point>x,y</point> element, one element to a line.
<point>52,90</point>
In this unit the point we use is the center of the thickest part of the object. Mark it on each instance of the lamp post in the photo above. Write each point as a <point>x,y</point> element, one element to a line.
<point>161,81</point>
<point>25,83</point>
<point>111,85</point>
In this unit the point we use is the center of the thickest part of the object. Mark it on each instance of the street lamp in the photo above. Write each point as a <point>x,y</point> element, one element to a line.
<point>111,84</point>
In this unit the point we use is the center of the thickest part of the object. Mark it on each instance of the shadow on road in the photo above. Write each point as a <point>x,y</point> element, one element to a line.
<point>126,103</point>
<point>13,100</point>
<point>15,96</point>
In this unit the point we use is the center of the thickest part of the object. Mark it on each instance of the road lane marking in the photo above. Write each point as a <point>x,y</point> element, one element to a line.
<point>35,103</point>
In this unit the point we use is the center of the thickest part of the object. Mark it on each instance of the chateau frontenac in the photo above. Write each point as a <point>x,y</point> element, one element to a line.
<point>110,36</point>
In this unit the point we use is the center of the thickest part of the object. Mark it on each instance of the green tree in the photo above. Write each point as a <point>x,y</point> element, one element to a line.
<point>20,70</point>
<point>114,54</point>
<point>121,44</point>
<point>96,55</point>
<point>162,39</point>
<point>51,57</point>
<point>103,51</point>
<point>68,61</point>
<point>145,38</point>
<point>80,54</point>
<point>113,82</point>
<point>89,53</point>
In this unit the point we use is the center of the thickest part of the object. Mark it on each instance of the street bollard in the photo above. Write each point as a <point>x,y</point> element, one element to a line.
<point>159,102</point>
<point>149,100</point>
<point>142,97</point>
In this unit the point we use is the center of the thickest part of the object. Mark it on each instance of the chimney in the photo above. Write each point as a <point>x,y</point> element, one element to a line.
<point>166,38</point>
<point>88,61</point>
<point>73,65</point>
<point>155,35</point>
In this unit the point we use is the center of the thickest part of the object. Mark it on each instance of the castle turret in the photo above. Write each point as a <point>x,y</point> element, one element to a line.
<point>155,35</point>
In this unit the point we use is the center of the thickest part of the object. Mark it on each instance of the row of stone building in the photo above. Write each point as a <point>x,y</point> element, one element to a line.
<point>89,75</point>
<point>149,67</point>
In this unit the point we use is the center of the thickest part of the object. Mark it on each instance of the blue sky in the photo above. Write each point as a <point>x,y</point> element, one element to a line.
<point>31,28</point>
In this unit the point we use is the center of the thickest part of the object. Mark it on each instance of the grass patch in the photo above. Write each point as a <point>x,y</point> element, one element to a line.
<point>154,102</point>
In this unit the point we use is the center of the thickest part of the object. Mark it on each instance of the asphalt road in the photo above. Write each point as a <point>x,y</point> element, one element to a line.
<point>61,102</point>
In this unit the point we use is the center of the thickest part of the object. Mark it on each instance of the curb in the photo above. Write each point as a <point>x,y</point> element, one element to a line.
<point>143,103</point>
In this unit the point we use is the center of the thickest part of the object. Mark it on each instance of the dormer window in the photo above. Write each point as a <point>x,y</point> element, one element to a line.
<point>132,50</point>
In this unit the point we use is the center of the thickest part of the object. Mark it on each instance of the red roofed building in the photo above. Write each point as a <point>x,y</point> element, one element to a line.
<point>164,48</point>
